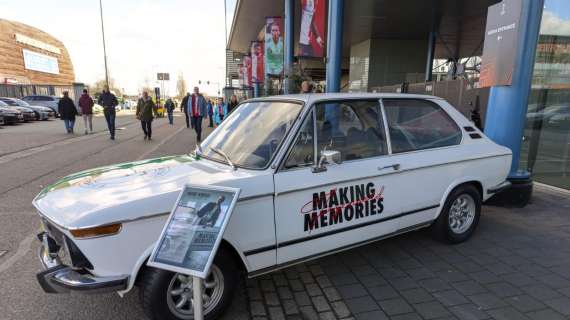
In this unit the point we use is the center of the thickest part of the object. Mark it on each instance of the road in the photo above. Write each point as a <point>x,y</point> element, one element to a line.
<point>35,154</point>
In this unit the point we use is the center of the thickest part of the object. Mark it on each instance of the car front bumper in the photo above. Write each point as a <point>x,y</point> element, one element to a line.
<point>57,277</point>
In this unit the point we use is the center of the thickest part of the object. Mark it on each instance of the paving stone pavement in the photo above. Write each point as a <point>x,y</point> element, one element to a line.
<point>516,266</point>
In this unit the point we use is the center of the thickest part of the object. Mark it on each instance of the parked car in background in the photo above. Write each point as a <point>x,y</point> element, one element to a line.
<point>97,108</point>
<point>10,116</point>
<point>1,120</point>
<point>42,113</point>
<point>29,114</point>
<point>43,100</point>
<point>318,174</point>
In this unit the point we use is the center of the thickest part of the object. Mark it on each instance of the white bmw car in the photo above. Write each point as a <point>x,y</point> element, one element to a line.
<point>318,174</point>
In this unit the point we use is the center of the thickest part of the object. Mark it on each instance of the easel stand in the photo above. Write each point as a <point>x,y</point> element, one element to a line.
<point>198,303</point>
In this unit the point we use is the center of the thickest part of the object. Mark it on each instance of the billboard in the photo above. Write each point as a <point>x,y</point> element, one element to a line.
<point>40,62</point>
<point>273,46</point>
<point>501,44</point>
<point>257,63</point>
<point>312,32</point>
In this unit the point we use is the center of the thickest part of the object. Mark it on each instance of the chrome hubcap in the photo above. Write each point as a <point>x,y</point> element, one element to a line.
<point>180,293</point>
<point>462,213</point>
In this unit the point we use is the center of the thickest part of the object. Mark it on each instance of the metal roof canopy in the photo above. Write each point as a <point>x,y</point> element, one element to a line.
<point>461,29</point>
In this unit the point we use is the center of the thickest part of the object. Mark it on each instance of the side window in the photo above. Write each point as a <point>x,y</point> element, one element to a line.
<point>302,154</point>
<point>419,124</point>
<point>352,127</point>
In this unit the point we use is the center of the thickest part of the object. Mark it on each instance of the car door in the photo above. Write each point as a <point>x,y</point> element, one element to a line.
<point>321,209</point>
<point>425,142</point>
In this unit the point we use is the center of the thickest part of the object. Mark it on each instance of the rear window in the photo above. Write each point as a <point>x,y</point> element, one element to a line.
<point>416,124</point>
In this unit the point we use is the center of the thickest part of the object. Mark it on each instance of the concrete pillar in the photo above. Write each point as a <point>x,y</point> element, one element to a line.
<point>334,45</point>
<point>289,43</point>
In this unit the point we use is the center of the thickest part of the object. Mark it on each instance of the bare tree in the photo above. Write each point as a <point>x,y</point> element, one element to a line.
<point>181,86</point>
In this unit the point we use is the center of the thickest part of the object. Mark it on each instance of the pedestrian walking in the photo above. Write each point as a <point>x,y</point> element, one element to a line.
<point>67,111</point>
<point>146,109</point>
<point>108,101</point>
<point>211,113</point>
<point>169,106</point>
<point>220,110</point>
<point>233,103</point>
<point>184,107</point>
<point>197,109</point>
<point>86,105</point>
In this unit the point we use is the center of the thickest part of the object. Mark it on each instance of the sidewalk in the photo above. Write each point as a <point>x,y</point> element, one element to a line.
<point>517,266</point>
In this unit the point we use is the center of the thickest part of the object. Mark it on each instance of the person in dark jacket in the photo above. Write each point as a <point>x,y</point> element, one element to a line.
<point>233,103</point>
<point>86,105</point>
<point>169,106</point>
<point>210,212</point>
<point>67,111</point>
<point>108,101</point>
<point>146,109</point>
<point>184,108</point>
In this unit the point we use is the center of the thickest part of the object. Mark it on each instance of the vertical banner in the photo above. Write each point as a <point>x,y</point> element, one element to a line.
<point>501,44</point>
<point>312,32</point>
<point>273,46</point>
<point>257,63</point>
<point>247,71</point>
<point>240,75</point>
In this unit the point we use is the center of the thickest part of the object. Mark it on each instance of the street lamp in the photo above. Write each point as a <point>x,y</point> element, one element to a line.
<point>104,46</point>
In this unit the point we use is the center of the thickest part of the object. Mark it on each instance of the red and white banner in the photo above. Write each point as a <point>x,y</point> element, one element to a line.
<point>312,32</point>
<point>257,62</point>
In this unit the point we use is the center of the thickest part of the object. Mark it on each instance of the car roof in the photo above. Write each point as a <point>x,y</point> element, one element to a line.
<point>315,97</point>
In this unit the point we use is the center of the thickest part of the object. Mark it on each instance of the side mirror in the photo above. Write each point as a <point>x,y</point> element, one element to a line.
<point>327,157</point>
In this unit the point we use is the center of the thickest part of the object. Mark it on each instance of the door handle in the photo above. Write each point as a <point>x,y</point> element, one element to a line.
<point>395,166</point>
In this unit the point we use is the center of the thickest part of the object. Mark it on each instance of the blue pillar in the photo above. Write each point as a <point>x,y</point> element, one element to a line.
<point>334,45</point>
<point>289,38</point>
<point>506,113</point>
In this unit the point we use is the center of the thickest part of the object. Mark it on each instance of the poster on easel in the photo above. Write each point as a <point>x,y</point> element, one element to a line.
<point>194,230</point>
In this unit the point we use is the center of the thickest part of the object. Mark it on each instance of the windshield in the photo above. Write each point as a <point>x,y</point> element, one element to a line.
<point>2,104</point>
<point>22,103</point>
<point>9,102</point>
<point>252,134</point>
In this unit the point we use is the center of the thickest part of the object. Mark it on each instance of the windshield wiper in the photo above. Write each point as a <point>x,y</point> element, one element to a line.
<point>223,154</point>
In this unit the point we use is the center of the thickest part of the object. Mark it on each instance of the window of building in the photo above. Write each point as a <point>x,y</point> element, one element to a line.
<point>546,145</point>
<point>418,124</point>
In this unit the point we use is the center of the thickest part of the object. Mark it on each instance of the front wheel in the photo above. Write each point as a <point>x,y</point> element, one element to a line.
<point>459,216</point>
<point>168,295</point>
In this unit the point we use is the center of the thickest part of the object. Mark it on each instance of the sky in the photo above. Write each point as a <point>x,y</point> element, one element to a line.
<point>143,37</point>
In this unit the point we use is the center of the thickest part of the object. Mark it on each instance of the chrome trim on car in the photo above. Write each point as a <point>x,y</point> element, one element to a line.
<point>59,278</point>
<point>391,172</point>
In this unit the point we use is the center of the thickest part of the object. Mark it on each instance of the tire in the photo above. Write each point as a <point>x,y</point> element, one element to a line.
<point>154,285</point>
<point>451,230</point>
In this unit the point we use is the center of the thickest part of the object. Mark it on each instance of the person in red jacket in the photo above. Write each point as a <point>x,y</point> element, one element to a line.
<point>86,105</point>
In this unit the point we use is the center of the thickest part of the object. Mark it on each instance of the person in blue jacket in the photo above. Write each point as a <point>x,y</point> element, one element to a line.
<point>211,113</point>
<point>220,111</point>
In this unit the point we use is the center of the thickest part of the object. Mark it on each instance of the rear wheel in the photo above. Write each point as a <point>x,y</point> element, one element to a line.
<point>459,216</point>
<point>168,295</point>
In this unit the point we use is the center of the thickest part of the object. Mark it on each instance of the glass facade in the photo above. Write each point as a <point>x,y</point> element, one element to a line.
<point>546,147</point>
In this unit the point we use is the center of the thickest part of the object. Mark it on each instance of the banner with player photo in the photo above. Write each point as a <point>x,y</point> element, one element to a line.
<point>273,46</point>
<point>257,63</point>
<point>240,75</point>
<point>312,32</point>
<point>247,71</point>
<point>194,230</point>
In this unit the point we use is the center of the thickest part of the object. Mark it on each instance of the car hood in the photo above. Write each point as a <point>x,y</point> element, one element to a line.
<point>23,109</point>
<point>8,111</point>
<point>139,189</point>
